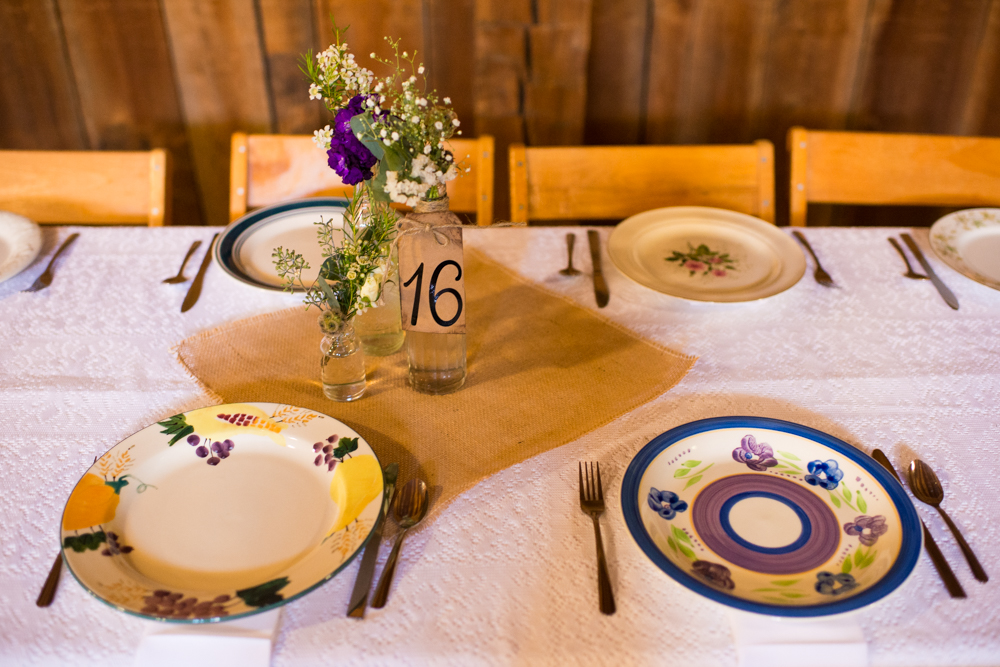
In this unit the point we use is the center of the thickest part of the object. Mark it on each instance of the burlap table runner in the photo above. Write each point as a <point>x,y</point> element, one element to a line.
<point>542,372</point>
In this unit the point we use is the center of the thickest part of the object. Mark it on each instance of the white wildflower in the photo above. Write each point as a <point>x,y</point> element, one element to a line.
<point>456,122</point>
<point>439,125</point>
<point>420,70</point>
<point>447,100</point>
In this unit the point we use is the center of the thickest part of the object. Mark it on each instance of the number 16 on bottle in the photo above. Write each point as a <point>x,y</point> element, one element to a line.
<point>432,282</point>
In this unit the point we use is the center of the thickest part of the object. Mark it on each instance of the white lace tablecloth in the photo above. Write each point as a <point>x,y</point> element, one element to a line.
<point>506,575</point>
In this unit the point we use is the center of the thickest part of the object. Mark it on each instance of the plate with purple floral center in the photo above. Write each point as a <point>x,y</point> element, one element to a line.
<point>221,512</point>
<point>706,254</point>
<point>770,517</point>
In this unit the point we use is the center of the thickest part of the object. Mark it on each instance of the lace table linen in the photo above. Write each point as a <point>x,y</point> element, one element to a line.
<point>506,574</point>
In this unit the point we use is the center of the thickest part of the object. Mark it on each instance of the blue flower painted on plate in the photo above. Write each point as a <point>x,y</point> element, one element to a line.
<point>713,573</point>
<point>825,474</point>
<point>758,457</point>
<point>666,503</point>
<point>834,584</point>
<point>874,525</point>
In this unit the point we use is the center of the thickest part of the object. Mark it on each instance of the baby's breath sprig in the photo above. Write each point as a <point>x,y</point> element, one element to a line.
<point>354,273</point>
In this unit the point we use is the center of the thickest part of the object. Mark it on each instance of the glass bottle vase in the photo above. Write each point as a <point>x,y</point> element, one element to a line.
<point>380,329</point>
<point>342,368</point>
<point>437,361</point>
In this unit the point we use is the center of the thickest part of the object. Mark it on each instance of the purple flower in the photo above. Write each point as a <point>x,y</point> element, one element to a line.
<point>825,474</point>
<point>349,157</point>
<point>867,528</point>
<point>713,573</point>
<point>827,583</point>
<point>665,503</point>
<point>758,457</point>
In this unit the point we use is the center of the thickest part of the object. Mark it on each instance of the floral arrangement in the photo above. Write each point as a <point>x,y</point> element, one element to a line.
<point>353,274</point>
<point>391,131</point>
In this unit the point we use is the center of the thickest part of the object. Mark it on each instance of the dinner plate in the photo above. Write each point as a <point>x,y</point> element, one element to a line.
<point>246,246</point>
<point>222,512</point>
<point>770,517</point>
<point>706,254</point>
<point>969,242</point>
<point>20,243</point>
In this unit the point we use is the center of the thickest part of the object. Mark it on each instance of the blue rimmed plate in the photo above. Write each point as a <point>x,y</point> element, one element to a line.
<point>222,512</point>
<point>245,247</point>
<point>770,517</point>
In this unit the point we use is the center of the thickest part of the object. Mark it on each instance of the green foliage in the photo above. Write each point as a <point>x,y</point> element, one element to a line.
<point>862,505</point>
<point>176,426</point>
<point>344,447</point>
<point>264,594</point>
<point>85,542</point>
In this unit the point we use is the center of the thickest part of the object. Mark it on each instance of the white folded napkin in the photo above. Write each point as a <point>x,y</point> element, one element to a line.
<point>241,643</point>
<point>773,641</point>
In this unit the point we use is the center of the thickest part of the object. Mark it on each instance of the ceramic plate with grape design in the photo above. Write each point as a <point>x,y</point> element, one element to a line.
<point>222,512</point>
<point>770,517</point>
<point>706,254</point>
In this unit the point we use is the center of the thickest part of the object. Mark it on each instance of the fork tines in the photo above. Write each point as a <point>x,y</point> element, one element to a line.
<point>590,483</point>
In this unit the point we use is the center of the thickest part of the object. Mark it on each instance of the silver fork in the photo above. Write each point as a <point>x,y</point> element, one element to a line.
<point>592,503</point>
<point>45,279</point>
<point>821,276</point>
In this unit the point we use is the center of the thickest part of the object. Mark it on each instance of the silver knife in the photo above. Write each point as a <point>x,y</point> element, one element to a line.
<point>363,584</point>
<point>195,291</point>
<point>946,293</point>
<point>601,292</point>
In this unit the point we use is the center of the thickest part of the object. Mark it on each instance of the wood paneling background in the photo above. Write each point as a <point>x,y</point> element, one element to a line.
<point>185,74</point>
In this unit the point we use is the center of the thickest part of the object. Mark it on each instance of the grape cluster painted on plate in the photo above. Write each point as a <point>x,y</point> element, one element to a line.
<point>218,450</point>
<point>166,604</point>
<point>330,454</point>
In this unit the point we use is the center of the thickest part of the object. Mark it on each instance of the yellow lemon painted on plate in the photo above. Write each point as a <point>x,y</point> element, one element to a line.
<point>356,482</point>
<point>222,421</point>
<point>92,502</point>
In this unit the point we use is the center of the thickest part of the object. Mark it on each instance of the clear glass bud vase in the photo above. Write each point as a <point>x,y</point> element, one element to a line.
<point>437,361</point>
<point>380,329</point>
<point>342,368</point>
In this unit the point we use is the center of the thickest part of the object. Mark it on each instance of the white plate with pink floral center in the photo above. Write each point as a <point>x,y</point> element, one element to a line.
<point>770,517</point>
<point>222,512</point>
<point>706,254</point>
<point>969,242</point>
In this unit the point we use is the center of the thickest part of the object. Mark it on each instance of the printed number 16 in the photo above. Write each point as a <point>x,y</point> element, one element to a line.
<point>433,293</point>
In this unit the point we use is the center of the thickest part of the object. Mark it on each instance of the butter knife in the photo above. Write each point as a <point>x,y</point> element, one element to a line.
<point>601,292</point>
<point>195,291</point>
<point>946,293</point>
<point>363,584</point>
<point>940,564</point>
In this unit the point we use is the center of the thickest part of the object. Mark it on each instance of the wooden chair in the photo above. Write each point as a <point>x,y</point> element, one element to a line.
<point>605,182</point>
<point>271,168</point>
<point>891,169</point>
<point>90,187</point>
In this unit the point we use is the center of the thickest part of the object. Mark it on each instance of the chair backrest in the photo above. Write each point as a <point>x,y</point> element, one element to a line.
<point>269,168</point>
<point>891,169</point>
<point>90,187</point>
<point>605,182</point>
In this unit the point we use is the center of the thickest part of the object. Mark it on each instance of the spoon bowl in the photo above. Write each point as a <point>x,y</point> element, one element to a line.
<point>409,509</point>
<point>927,488</point>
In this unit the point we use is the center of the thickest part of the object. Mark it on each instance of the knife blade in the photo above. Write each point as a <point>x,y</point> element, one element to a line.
<point>937,558</point>
<point>195,291</point>
<point>946,293</point>
<point>601,292</point>
<point>363,584</point>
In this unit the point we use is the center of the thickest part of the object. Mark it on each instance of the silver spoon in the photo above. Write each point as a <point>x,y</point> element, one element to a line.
<point>821,276</point>
<point>410,507</point>
<point>910,273</point>
<point>179,278</point>
<point>927,488</point>
<point>569,270</point>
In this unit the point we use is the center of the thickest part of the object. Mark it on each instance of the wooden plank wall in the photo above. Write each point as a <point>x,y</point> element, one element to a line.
<point>185,74</point>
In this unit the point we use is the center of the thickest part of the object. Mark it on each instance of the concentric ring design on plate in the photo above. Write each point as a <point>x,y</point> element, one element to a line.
<point>969,242</point>
<point>222,512</point>
<point>816,542</point>
<point>706,254</point>
<point>770,517</point>
<point>245,246</point>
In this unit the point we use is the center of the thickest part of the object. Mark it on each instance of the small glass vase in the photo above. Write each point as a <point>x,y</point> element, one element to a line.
<point>380,329</point>
<point>437,361</point>
<point>342,368</point>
